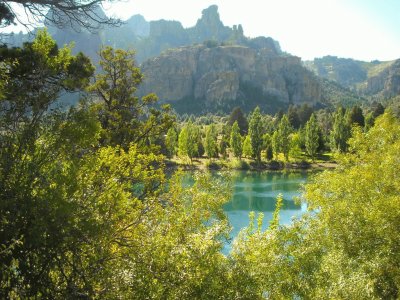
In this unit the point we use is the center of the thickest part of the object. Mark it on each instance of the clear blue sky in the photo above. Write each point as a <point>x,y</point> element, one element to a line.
<point>360,29</point>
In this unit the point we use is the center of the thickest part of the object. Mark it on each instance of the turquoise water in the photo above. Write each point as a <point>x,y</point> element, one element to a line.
<point>257,191</point>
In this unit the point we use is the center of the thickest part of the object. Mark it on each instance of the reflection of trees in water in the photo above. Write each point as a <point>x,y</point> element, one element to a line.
<point>258,191</point>
<point>258,203</point>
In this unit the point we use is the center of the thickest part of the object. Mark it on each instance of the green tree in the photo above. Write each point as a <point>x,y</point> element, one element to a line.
<point>369,121</point>
<point>255,133</point>
<point>267,145</point>
<point>124,117</point>
<point>237,115</point>
<point>341,132</point>
<point>312,137</point>
<point>247,151</point>
<point>210,143</point>
<point>236,140</point>
<point>347,246</point>
<point>283,136</point>
<point>293,117</point>
<point>171,142</point>
<point>295,145</point>
<point>356,116</point>
<point>187,141</point>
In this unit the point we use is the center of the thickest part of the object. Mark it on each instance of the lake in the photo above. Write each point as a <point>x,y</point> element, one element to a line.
<point>257,191</point>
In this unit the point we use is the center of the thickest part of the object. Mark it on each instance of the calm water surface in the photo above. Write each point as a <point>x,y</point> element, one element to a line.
<point>257,191</point>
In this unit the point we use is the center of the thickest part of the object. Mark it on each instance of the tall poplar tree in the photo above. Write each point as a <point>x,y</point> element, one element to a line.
<point>255,133</point>
<point>312,137</point>
<point>210,143</point>
<point>340,131</point>
<point>284,130</point>
<point>236,140</point>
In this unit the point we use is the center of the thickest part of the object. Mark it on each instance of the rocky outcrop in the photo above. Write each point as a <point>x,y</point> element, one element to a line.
<point>368,79</point>
<point>229,73</point>
<point>386,82</point>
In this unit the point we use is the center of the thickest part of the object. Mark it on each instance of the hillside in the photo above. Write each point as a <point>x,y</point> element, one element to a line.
<point>199,79</point>
<point>373,79</point>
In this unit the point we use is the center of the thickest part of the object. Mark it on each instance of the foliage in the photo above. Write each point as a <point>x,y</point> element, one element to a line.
<point>187,141</point>
<point>282,138</point>
<point>340,132</point>
<point>236,140</point>
<point>312,137</point>
<point>124,117</point>
<point>237,115</point>
<point>171,142</point>
<point>210,143</point>
<point>246,148</point>
<point>255,133</point>
<point>62,13</point>
<point>356,116</point>
<point>346,248</point>
<point>295,145</point>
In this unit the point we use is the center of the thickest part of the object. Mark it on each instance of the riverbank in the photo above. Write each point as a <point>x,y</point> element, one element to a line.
<point>247,164</point>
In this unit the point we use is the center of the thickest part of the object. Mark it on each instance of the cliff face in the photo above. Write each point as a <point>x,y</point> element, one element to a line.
<point>374,78</point>
<point>229,73</point>
<point>385,82</point>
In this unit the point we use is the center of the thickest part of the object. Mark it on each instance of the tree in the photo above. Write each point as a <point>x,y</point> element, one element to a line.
<point>356,116</point>
<point>236,140</point>
<point>284,130</point>
<point>346,247</point>
<point>267,145</point>
<point>378,109</point>
<point>171,142</point>
<point>295,145</point>
<point>238,116</point>
<point>312,137</point>
<point>80,219</point>
<point>247,151</point>
<point>293,117</point>
<point>369,121</point>
<point>255,133</point>
<point>84,13</point>
<point>187,141</point>
<point>304,112</point>
<point>341,131</point>
<point>210,143</point>
<point>124,117</point>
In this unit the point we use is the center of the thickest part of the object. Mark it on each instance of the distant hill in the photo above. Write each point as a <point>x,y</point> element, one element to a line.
<point>373,80</point>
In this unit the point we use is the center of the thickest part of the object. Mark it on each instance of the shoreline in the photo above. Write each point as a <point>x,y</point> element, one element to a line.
<point>248,165</point>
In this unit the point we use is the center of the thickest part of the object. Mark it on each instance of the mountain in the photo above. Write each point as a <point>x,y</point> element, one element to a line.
<point>373,80</point>
<point>212,67</point>
<point>203,78</point>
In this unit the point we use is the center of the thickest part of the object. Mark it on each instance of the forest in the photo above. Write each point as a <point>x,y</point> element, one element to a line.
<point>89,208</point>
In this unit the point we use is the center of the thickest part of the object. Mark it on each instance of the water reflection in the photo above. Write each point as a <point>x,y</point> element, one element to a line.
<point>257,191</point>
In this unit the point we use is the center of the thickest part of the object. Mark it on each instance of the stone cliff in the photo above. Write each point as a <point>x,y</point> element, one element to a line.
<point>229,74</point>
<point>368,79</point>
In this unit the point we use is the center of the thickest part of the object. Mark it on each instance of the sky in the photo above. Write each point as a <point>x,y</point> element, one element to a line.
<point>360,29</point>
